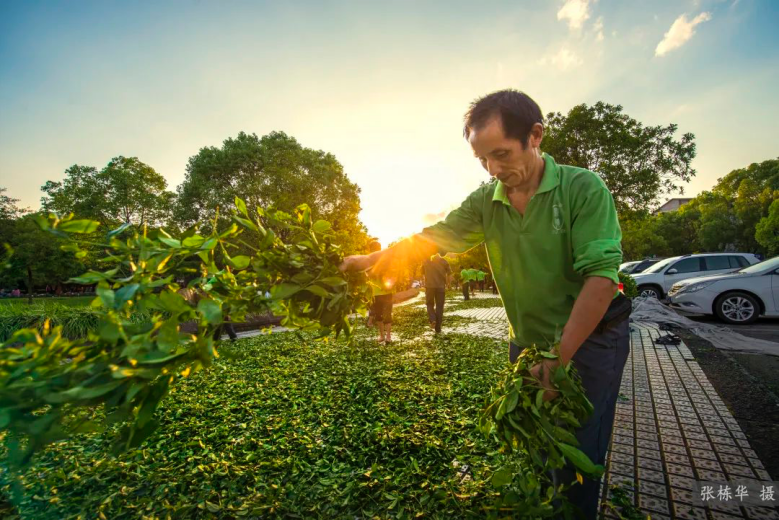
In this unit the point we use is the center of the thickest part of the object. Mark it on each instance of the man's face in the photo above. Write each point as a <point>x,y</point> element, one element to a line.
<point>505,158</point>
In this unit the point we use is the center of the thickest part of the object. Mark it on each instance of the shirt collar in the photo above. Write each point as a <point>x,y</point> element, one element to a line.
<point>549,181</point>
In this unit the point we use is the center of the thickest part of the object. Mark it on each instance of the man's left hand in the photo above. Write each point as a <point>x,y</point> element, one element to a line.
<point>543,373</point>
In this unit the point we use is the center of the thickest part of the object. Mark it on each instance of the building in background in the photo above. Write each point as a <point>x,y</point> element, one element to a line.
<point>672,205</point>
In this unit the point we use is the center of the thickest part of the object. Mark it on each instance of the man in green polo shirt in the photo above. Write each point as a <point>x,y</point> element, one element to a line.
<point>553,242</point>
<point>465,280</point>
<point>480,275</point>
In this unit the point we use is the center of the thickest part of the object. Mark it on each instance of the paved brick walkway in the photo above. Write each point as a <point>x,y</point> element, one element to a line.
<point>671,430</point>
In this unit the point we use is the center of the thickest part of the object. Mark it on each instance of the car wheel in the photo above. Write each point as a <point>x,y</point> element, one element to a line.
<point>647,291</point>
<point>737,308</point>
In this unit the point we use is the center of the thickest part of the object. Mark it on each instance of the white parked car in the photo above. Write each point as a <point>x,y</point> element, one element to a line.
<point>739,297</point>
<point>658,279</point>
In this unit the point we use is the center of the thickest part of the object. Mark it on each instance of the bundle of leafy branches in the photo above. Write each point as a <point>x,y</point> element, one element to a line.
<point>630,288</point>
<point>538,434</point>
<point>49,384</point>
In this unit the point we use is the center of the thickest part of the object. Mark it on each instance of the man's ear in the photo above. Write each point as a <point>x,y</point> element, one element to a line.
<point>536,135</point>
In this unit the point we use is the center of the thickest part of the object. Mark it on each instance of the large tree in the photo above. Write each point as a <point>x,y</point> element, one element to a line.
<point>751,191</point>
<point>272,171</point>
<point>767,230</point>
<point>125,191</point>
<point>638,163</point>
<point>8,206</point>
<point>38,258</point>
<point>641,237</point>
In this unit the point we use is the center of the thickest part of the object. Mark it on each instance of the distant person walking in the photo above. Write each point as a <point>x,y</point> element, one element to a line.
<point>465,280</point>
<point>480,275</point>
<point>381,309</point>
<point>437,273</point>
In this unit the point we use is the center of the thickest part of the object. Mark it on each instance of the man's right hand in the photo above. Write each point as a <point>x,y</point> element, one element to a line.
<point>357,263</point>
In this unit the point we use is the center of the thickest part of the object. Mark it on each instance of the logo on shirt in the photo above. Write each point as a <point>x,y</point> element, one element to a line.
<point>557,219</point>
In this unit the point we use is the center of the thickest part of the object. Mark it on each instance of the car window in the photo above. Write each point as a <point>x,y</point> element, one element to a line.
<point>743,261</point>
<point>659,266</point>
<point>714,263</point>
<point>734,261</point>
<point>688,265</point>
<point>765,265</point>
<point>643,265</point>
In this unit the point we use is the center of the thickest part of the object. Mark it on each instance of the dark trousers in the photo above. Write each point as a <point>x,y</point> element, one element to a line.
<point>435,306</point>
<point>465,291</point>
<point>226,326</point>
<point>599,361</point>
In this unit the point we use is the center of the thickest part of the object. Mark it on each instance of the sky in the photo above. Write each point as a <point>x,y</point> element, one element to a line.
<point>381,85</point>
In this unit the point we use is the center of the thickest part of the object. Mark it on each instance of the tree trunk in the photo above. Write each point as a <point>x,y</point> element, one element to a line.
<point>29,285</point>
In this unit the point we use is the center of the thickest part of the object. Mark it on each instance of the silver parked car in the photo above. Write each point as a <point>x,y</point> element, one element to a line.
<point>738,297</point>
<point>658,279</point>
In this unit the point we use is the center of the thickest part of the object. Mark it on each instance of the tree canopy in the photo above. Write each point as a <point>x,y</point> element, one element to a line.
<point>638,163</point>
<point>734,216</point>
<point>125,191</point>
<point>272,171</point>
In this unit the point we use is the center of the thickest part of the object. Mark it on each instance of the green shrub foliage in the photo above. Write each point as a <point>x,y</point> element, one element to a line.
<point>128,365</point>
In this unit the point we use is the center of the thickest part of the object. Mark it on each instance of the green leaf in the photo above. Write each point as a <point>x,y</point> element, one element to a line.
<point>320,226</point>
<point>239,262</point>
<point>502,477</point>
<point>565,436</point>
<point>81,393</point>
<point>193,241</point>
<point>125,293</point>
<point>170,242</point>
<point>209,244</point>
<point>579,459</point>
<point>513,399</point>
<point>210,310</point>
<point>246,223</point>
<point>89,278</point>
<point>540,399</point>
<point>119,230</point>
<point>78,226</point>
<point>284,291</point>
<point>241,205</point>
<point>319,291</point>
<point>107,296</point>
<point>333,281</point>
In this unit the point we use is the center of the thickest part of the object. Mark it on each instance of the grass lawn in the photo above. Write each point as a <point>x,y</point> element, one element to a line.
<point>70,301</point>
<point>285,426</point>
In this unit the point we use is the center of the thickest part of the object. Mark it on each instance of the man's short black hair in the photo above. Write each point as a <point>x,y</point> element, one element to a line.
<point>518,113</point>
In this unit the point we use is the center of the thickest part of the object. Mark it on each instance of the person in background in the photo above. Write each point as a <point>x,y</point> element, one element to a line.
<point>480,279</point>
<point>465,281</point>
<point>437,273</point>
<point>381,310</point>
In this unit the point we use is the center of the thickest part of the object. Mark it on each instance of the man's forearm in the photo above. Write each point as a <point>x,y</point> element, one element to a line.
<point>588,310</point>
<point>411,251</point>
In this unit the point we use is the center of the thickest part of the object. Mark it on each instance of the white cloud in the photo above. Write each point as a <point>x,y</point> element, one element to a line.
<point>680,32</point>
<point>564,59</point>
<point>598,29</point>
<point>576,12</point>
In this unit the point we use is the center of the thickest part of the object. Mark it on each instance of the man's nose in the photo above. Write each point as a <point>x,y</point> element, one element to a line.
<point>492,168</point>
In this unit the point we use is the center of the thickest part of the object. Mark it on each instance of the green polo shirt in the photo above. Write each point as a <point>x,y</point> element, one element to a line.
<point>539,262</point>
<point>480,275</point>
